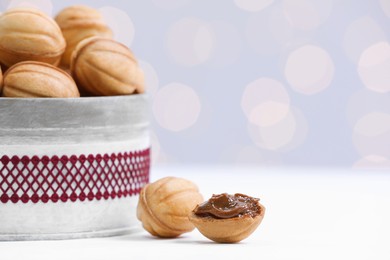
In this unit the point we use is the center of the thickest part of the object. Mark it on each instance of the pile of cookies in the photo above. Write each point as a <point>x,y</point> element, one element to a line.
<point>72,55</point>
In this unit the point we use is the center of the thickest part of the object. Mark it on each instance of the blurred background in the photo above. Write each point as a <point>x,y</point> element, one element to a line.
<point>265,82</point>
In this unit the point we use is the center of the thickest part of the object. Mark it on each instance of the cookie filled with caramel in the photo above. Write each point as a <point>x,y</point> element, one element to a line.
<point>228,218</point>
<point>229,206</point>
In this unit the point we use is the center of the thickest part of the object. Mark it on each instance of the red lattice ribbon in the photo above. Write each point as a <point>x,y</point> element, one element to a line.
<point>73,178</point>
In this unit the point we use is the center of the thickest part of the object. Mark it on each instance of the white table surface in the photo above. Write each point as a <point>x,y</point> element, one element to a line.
<point>311,214</point>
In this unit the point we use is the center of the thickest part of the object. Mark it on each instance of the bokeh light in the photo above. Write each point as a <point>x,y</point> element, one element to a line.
<point>253,5</point>
<point>265,102</point>
<point>372,162</point>
<point>268,113</point>
<point>45,6</point>
<point>385,4</point>
<point>374,67</point>
<point>151,77</point>
<point>309,69</point>
<point>366,101</point>
<point>275,136</point>
<point>176,107</point>
<point>368,114</point>
<point>120,24</point>
<point>373,124</point>
<point>190,41</point>
<point>307,14</point>
<point>285,135</point>
<point>371,134</point>
<point>359,35</point>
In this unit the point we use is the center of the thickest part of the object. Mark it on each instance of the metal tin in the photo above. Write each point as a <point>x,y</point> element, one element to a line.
<point>71,168</point>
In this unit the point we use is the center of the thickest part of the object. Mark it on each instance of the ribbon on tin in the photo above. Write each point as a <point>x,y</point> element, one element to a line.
<point>73,178</point>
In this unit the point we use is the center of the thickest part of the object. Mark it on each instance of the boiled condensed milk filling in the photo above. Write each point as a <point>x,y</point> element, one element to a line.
<point>229,206</point>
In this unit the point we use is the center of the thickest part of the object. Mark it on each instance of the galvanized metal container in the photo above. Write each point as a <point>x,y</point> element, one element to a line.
<point>71,168</point>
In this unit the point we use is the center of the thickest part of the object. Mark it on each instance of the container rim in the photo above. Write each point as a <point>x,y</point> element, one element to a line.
<point>91,98</point>
<point>21,119</point>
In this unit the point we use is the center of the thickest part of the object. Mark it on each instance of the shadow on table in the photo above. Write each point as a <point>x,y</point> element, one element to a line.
<point>178,240</point>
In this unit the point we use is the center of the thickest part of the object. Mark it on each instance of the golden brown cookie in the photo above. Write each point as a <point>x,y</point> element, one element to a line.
<point>38,79</point>
<point>164,205</point>
<point>77,23</point>
<point>104,67</point>
<point>29,34</point>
